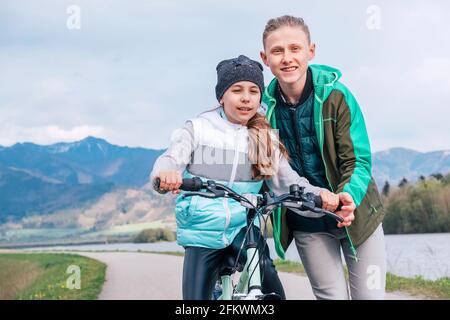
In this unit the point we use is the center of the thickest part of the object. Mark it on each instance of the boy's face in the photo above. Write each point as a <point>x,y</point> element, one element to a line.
<point>287,53</point>
<point>241,101</point>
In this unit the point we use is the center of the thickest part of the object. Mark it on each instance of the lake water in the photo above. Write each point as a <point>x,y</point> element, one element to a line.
<point>409,255</point>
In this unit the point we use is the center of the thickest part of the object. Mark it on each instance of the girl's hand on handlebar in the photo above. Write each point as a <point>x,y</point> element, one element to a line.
<point>330,201</point>
<point>170,180</point>
<point>347,210</point>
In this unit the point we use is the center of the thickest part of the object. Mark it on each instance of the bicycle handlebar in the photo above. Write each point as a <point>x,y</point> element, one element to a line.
<point>295,200</point>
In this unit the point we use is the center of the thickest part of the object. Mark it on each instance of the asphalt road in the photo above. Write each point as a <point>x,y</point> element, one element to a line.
<point>134,275</point>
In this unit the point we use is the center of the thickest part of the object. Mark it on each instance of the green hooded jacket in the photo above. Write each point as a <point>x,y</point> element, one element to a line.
<point>345,149</point>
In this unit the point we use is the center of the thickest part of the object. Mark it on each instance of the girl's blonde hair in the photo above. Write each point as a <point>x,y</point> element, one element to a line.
<point>264,147</point>
<point>286,20</point>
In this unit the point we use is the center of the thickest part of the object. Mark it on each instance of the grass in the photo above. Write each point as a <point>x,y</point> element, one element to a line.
<point>44,276</point>
<point>438,289</point>
<point>289,266</point>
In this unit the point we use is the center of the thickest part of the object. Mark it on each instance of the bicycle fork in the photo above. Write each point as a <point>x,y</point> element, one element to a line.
<point>249,285</point>
<point>250,280</point>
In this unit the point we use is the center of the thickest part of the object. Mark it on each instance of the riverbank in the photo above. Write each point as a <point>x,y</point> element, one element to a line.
<point>426,289</point>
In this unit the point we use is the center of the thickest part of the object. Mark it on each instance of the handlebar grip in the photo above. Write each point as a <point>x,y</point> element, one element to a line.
<point>188,184</point>
<point>191,184</point>
<point>318,203</point>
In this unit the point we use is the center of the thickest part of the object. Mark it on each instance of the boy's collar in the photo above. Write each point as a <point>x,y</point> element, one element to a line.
<point>306,92</point>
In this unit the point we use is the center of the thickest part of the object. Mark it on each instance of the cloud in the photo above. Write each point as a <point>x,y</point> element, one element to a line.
<point>404,107</point>
<point>138,72</point>
<point>432,75</point>
<point>50,88</point>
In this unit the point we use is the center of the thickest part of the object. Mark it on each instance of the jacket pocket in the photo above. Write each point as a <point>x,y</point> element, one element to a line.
<point>183,207</point>
<point>375,203</point>
<point>192,210</point>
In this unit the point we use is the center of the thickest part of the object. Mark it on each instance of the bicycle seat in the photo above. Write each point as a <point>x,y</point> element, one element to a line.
<point>228,264</point>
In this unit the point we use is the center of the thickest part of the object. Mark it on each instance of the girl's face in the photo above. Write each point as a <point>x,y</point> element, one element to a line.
<point>241,102</point>
<point>287,52</point>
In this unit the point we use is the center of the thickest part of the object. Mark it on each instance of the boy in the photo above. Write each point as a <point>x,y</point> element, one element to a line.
<point>322,127</point>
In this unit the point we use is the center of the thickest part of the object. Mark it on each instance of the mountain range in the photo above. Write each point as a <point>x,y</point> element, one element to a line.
<point>397,163</point>
<point>73,183</point>
<point>42,179</point>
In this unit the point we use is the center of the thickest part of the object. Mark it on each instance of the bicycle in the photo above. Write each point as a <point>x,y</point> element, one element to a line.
<point>249,283</point>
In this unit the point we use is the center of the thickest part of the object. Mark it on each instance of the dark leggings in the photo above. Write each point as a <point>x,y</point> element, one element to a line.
<point>201,268</point>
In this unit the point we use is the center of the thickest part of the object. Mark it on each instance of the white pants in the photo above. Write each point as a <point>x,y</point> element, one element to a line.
<point>321,256</point>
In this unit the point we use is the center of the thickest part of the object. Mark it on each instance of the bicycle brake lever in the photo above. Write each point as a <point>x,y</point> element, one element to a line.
<point>302,205</point>
<point>311,207</point>
<point>332,215</point>
<point>198,193</point>
<point>291,205</point>
<point>218,193</point>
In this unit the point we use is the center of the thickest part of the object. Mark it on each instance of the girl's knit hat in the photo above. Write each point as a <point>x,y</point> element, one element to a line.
<point>238,69</point>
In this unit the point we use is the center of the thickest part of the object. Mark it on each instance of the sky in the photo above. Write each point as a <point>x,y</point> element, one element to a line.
<point>132,72</point>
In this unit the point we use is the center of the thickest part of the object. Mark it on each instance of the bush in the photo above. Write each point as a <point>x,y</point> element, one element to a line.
<point>420,208</point>
<point>154,235</point>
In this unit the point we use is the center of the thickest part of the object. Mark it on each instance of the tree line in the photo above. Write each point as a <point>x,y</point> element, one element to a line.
<point>420,207</point>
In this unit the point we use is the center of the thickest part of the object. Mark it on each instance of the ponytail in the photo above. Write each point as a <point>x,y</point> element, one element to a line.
<point>264,148</point>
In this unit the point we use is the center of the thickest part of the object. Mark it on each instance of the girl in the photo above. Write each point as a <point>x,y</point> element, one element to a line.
<point>232,145</point>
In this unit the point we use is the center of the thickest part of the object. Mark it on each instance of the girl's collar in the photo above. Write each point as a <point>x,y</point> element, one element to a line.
<point>224,116</point>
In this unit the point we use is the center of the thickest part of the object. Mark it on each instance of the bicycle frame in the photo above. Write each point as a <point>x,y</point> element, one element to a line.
<point>249,284</point>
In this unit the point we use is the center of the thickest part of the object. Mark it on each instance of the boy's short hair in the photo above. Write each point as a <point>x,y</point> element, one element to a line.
<point>286,20</point>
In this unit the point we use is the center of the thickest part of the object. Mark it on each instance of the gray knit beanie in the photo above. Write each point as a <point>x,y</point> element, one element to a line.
<point>238,69</point>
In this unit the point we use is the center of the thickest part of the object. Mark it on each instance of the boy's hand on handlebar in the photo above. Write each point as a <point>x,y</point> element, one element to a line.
<point>347,210</point>
<point>330,201</point>
<point>170,180</point>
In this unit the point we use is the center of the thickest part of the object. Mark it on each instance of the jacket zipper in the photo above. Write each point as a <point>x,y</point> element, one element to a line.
<point>230,184</point>
<point>299,148</point>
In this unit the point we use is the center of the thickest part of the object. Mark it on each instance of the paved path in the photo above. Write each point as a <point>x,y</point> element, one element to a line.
<point>133,275</point>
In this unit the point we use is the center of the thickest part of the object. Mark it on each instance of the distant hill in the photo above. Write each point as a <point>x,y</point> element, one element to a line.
<point>90,160</point>
<point>93,184</point>
<point>394,164</point>
<point>38,179</point>
<point>23,193</point>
